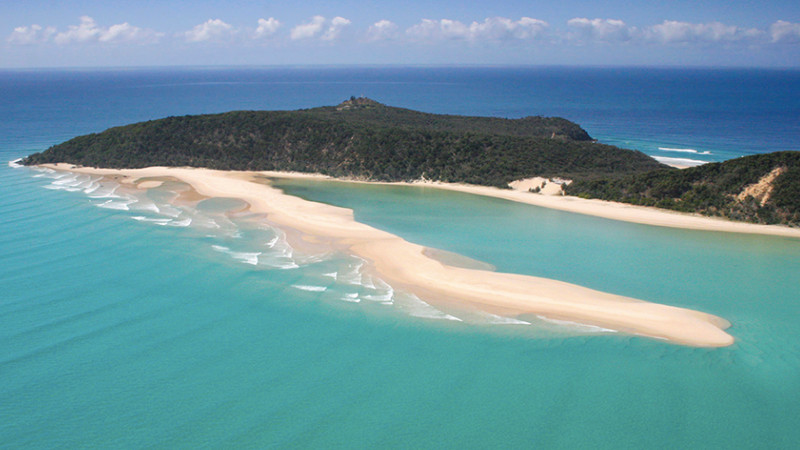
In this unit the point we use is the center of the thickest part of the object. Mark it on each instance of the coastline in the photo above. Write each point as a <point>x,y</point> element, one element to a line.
<point>410,267</point>
<point>612,210</point>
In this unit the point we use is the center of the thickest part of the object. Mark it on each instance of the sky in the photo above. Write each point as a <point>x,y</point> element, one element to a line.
<point>113,33</point>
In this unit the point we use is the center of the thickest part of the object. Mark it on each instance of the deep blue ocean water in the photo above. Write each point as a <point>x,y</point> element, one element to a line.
<point>131,320</point>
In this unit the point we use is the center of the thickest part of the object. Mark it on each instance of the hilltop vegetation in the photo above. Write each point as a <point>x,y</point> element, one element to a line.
<point>759,188</point>
<point>359,138</point>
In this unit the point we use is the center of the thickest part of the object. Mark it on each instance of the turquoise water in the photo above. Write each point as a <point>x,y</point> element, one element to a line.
<point>133,320</point>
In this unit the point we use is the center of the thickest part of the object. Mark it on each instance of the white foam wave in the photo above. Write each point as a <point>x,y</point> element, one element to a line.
<point>67,180</point>
<point>382,292</point>
<point>69,183</point>
<point>576,325</point>
<point>54,187</point>
<point>367,282</point>
<point>280,255</point>
<point>414,306</point>
<point>148,219</point>
<point>170,211</point>
<point>352,275</point>
<point>43,172</point>
<point>147,206</point>
<point>351,297</point>
<point>105,191</point>
<point>93,186</point>
<point>15,163</point>
<point>679,161</point>
<point>180,223</point>
<point>204,222</point>
<point>305,260</point>
<point>111,204</point>
<point>684,150</point>
<point>309,288</point>
<point>72,183</point>
<point>330,275</point>
<point>246,257</point>
<point>502,320</point>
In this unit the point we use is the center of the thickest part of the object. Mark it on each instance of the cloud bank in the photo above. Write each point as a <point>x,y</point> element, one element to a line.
<point>578,31</point>
<point>87,31</point>
<point>320,28</point>
<point>491,29</point>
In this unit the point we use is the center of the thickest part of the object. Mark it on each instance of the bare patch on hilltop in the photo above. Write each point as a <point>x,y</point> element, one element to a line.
<point>762,190</point>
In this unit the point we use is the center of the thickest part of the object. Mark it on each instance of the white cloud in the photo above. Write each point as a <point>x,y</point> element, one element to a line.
<point>785,32</point>
<point>86,32</point>
<point>314,29</point>
<point>671,31</point>
<point>125,32</point>
<point>33,34</point>
<point>266,27</point>
<point>210,30</point>
<point>310,29</point>
<point>492,28</point>
<point>599,30</point>
<point>382,30</point>
<point>336,27</point>
<point>499,28</point>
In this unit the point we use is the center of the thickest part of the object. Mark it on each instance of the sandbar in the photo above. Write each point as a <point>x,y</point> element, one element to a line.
<point>406,265</point>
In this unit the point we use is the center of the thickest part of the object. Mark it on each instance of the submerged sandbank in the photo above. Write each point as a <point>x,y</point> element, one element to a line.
<point>409,267</point>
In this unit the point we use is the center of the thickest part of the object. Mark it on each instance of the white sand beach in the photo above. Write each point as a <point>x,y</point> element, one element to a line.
<point>621,211</point>
<point>407,266</point>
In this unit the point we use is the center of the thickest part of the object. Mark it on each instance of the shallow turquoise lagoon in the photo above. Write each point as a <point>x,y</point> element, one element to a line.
<point>126,322</point>
<point>120,332</point>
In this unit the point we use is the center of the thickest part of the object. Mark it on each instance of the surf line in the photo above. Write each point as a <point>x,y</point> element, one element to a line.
<point>407,266</point>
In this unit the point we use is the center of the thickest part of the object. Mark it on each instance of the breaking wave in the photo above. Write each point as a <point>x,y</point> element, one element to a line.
<point>679,161</point>
<point>684,150</point>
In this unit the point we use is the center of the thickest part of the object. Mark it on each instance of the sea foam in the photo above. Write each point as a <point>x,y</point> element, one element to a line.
<point>309,288</point>
<point>582,327</point>
<point>415,307</point>
<point>684,150</point>
<point>679,161</point>
<point>351,297</point>
<point>118,205</point>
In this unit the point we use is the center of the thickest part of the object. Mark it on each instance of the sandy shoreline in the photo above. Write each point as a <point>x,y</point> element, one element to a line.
<point>406,265</point>
<point>600,208</point>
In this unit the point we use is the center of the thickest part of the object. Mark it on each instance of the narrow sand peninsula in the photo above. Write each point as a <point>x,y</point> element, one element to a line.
<point>406,265</point>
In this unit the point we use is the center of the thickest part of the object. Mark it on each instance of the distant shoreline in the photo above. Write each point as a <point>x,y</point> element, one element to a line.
<point>409,267</point>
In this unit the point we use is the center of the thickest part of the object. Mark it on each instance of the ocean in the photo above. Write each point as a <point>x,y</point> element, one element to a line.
<point>133,319</point>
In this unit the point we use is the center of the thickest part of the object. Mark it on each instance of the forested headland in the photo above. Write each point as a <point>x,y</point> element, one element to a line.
<point>758,188</point>
<point>359,138</point>
<point>363,139</point>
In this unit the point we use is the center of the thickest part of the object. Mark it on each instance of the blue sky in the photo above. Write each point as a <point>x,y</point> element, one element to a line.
<point>90,33</point>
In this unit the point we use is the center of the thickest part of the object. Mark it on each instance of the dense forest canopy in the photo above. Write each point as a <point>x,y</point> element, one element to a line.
<point>759,188</point>
<point>359,138</point>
